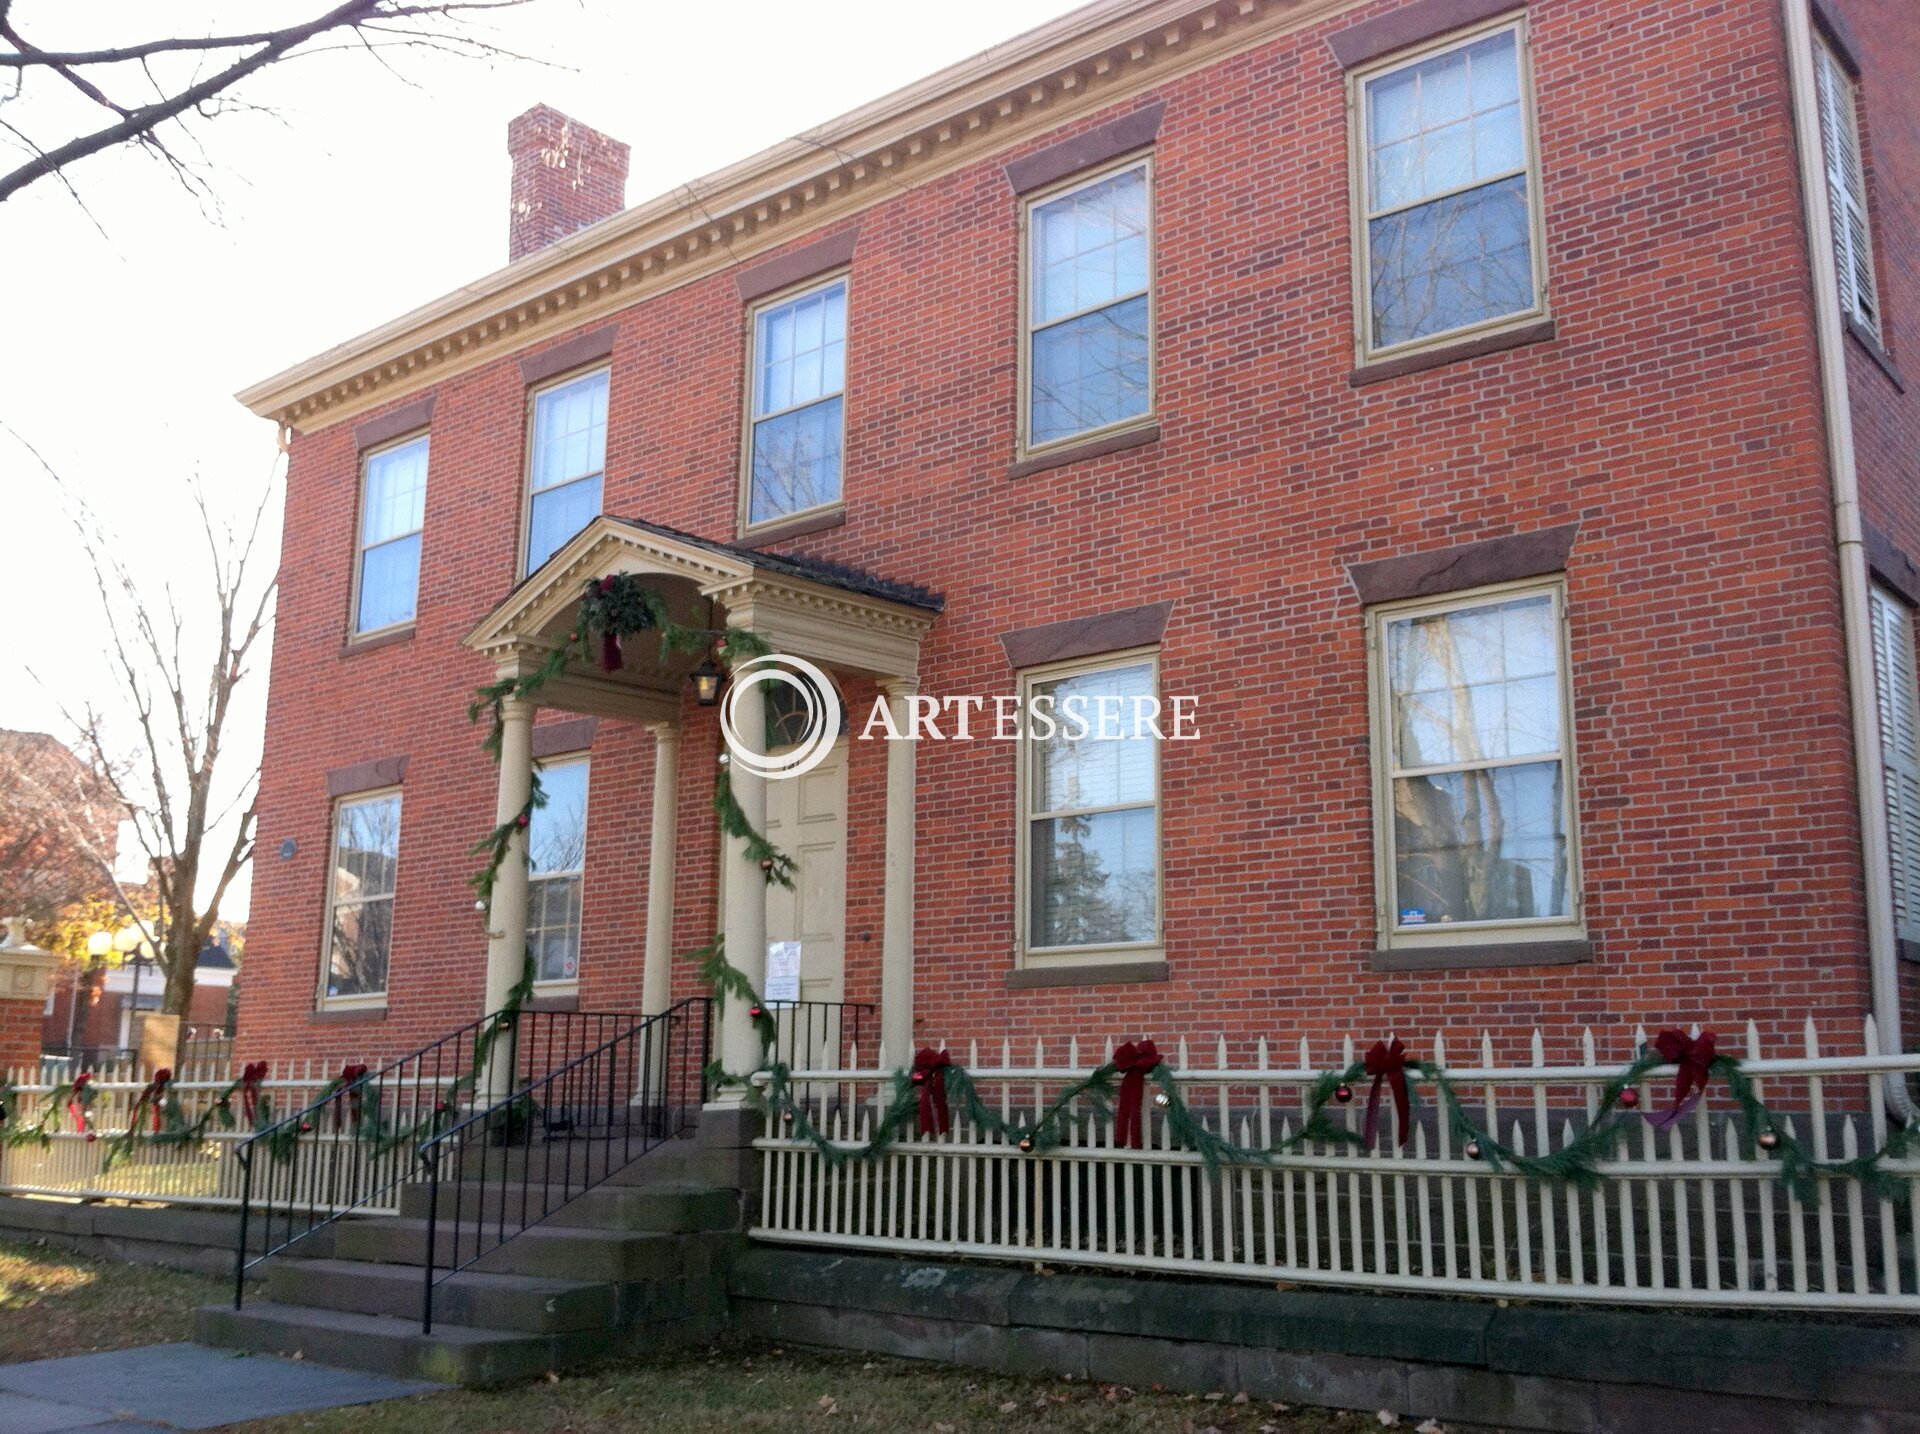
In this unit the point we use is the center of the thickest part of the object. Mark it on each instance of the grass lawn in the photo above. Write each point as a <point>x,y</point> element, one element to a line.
<point>755,1387</point>
<point>53,1303</point>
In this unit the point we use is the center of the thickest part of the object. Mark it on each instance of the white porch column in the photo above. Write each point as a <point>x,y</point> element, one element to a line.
<point>743,919</point>
<point>896,932</point>
<point>656,982</point>
<point>507,920</point>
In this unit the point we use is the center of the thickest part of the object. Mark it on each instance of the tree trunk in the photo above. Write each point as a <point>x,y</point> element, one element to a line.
<point>182,954</point>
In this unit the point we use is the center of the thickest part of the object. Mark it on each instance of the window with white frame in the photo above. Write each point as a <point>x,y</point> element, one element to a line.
<point>556,864</point>
<point>366,852</point>
<point>1893,677</point>
<point>568,462</point>
<point>1449,200</point>
<point>393,506</point>
<point>799,404</point>
<point>1839,100</point>
<point>1474,760</point>
<point>1091,818</point>
<point>1089,346</point>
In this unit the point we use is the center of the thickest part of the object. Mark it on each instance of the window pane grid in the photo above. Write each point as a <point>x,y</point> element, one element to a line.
<point>570,431</point>
<point>392,514</point>
<point>556,861</point>
<point>798,412</point>
<point>1088,307</point>
<point>366,847</point>
<point>1479,832</point>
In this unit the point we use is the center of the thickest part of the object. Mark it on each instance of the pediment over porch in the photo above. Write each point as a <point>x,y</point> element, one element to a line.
<point>838,617</point>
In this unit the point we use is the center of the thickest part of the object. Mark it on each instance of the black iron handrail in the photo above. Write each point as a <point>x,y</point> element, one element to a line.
<point>599,1111</point>
<point>821,1035</point>
<point>315,1177</point>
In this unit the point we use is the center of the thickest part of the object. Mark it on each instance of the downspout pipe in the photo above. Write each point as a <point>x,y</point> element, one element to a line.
<point>1855,609</point>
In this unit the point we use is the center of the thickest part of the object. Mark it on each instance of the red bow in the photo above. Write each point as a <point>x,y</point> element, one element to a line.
<point>77,1101</point>
<point>349,1085</point>
<point>930,1074</point>
<point>1134,1063</point>
<point>611,658</point>
<point>1694,1057</point>
<point>250,1078</point>
<point>151,1097</point>
<point>1388,1062</point>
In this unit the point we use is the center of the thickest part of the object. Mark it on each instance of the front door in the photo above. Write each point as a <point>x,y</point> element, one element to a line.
<point>807,819</point>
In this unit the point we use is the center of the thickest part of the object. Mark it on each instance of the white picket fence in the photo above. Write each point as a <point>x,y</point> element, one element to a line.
<point>1682,1217</point>
<point>332,1173</point>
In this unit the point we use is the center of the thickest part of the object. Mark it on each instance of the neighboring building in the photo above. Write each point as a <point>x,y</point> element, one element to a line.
<point>1436,391</point>
<point>103,1024</point>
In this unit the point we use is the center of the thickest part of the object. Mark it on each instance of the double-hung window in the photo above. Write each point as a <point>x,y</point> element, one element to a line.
<point>1088,346</point>
<point>1839,100</point>
<point>1090,794</point>
<point>1475,812</point>
<point>556,863</point>
<point>569,460</point>
<point>393,506</point>
<point>798,417</point>
<point>1893,676</point>
<point>366,851</point>
<point>1449,231</point>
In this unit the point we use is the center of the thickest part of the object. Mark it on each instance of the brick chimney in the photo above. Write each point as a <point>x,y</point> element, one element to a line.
<point>565,177</point>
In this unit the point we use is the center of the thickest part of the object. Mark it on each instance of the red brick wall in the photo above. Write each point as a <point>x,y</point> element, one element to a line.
<point>1675,418</point>
<point>1886,419</point>
<point>19,1033</point>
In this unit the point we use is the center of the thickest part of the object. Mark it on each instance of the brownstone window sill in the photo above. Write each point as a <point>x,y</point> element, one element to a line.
<point>1114,973</point>
<point>1908,950</point>
<point>1866,340</point>
<point>555,1002</point>
<point>355,645</point>
<point>344,1016</point>
<point>1384,369</point>
<point>1481,955</point>
<point>1092,448</point>
<point>796,528</point>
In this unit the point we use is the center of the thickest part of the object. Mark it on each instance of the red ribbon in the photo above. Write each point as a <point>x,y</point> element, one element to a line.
<point>349,1085</point>
<point>251,1077</point>
<point>76,1105</point>
<point>611,658</point>
<point>1694,1057</point>
<point>151,1097</point>
<point>1134,1064</point>
<point>1388,1063</point>
<point>930,1074</point>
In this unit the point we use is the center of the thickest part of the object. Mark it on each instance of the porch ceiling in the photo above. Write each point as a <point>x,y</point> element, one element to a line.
<point>836,616</point>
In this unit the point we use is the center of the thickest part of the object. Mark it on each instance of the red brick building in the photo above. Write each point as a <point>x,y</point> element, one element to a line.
<point>1446,397</point>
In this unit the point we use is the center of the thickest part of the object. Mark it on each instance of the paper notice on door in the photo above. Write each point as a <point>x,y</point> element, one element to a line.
<point>783,972</point>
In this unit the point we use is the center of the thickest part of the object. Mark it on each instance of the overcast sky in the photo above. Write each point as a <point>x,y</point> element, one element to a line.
<point>130,323</point>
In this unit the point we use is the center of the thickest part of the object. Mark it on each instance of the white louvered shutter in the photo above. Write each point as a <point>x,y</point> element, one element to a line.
<point>1846,187</point>
<point>1893,679</point>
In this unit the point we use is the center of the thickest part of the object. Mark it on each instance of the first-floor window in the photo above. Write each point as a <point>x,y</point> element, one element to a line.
<point>1474,767</point>
<point>1091,793</point>
<point>1893,677</point>
<point>366,850</point>
<point>556,861</point>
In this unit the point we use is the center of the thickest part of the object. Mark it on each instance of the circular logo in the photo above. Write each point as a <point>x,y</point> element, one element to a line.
<point>818,701</point>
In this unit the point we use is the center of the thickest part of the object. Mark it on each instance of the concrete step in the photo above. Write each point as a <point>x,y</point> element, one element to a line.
<point>377,1344</point>
<point>511,1303</point>
<point>552,1251</point>
<point>670,1209</point>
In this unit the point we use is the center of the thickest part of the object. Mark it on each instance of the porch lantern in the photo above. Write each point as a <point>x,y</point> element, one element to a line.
<point>706,682</point>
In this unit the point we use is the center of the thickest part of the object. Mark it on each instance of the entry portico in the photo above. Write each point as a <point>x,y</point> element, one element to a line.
<point>840,619</point>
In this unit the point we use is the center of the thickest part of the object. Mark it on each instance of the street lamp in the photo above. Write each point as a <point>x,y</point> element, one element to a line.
<point>131,942</point>
<point>98,945</point>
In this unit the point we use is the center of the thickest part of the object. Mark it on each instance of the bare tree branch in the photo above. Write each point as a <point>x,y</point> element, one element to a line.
<point>241,56</point>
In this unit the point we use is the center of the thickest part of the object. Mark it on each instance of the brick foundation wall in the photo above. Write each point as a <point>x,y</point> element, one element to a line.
<point>1674,417</point>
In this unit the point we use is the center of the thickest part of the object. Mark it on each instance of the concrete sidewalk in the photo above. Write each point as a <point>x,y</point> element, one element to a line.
<point>176,1386</point>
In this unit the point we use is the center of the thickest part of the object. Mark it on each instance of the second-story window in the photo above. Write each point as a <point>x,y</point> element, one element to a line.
<point>1846,187</point>
<point>568,461</point>
<point>1449,195</point>
<point>799,404</point>
<point>1089,358</point>
<point>393,505</point>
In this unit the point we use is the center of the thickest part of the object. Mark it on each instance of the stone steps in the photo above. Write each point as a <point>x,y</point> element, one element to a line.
<point>671,1208</point>
<point>525,1304</point>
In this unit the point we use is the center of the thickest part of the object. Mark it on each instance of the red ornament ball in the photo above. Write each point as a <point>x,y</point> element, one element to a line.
<point>573,637</point>
<point>787,1116</point>
<point>755,1012</point>
<point>1343,1093</point>
<point>1768,1140</point>
<point>1473,1150</point>
<point>521,820</point>
<point>1026,1145</point>
<point>439,1107</point>
<point>91,1137</point>
<point>306,1125</point>
<point>766,863</point>
<point>1629,1098</point>
<point>919,1077</point>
